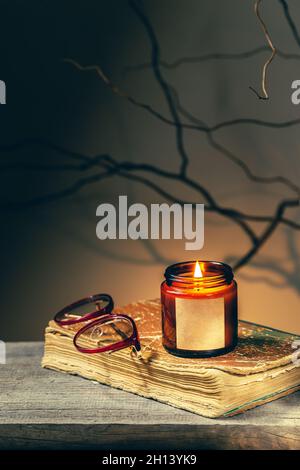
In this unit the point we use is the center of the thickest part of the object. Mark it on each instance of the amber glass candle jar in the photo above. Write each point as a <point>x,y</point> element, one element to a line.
<point>199,309</point>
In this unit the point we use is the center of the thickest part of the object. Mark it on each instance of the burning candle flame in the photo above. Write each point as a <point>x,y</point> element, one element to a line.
<point>198,272</point>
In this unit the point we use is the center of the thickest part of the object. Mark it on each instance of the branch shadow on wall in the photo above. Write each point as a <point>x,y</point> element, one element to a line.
<point>285,277</point>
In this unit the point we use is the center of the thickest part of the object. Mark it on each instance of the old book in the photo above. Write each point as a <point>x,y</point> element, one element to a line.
<point>262,367</point>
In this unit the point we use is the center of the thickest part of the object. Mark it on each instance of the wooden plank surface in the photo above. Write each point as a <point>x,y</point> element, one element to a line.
<point>44,409</point>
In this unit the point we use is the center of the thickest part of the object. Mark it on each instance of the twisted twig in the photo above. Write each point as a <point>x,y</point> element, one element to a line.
<point>265,95</point>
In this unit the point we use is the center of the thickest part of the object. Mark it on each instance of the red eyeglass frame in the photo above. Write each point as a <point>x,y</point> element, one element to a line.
<point>98,317</point>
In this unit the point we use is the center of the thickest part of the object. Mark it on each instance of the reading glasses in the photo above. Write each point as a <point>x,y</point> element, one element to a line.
<point>102,330</point>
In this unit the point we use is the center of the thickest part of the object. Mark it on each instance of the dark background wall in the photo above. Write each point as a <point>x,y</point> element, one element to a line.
<point>50,255</point>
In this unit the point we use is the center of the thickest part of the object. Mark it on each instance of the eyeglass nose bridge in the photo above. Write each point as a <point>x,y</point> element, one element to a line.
<point>132,340</point>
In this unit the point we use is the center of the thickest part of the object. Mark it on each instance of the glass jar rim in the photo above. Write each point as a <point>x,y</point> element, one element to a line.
<point>215,273</point>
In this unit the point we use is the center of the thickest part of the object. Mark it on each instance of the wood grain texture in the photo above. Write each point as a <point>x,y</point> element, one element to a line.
<point>44,409</point>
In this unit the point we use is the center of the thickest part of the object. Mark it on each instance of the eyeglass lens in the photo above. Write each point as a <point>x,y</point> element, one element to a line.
<point>113,331</point>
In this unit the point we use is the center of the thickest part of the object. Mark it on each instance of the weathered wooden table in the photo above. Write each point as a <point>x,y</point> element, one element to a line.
<point>44,409</point>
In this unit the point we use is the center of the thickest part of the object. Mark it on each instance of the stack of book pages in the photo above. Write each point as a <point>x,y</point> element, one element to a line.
<point>263,367</point>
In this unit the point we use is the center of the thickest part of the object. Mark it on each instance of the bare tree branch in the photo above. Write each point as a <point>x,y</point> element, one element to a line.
<point>201,126</point>
<point>265,95</point>
<point>131,171</point>
<point>194,127</point>
<point>117,90</point>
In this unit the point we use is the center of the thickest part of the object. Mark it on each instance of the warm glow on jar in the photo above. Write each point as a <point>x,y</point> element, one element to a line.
<point>199,309</point>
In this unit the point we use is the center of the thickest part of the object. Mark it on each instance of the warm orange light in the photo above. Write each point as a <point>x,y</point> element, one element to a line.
<point>198,272</point>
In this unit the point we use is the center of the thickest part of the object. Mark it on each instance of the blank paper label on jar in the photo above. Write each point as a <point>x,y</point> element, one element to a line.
<point>200,324</point>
